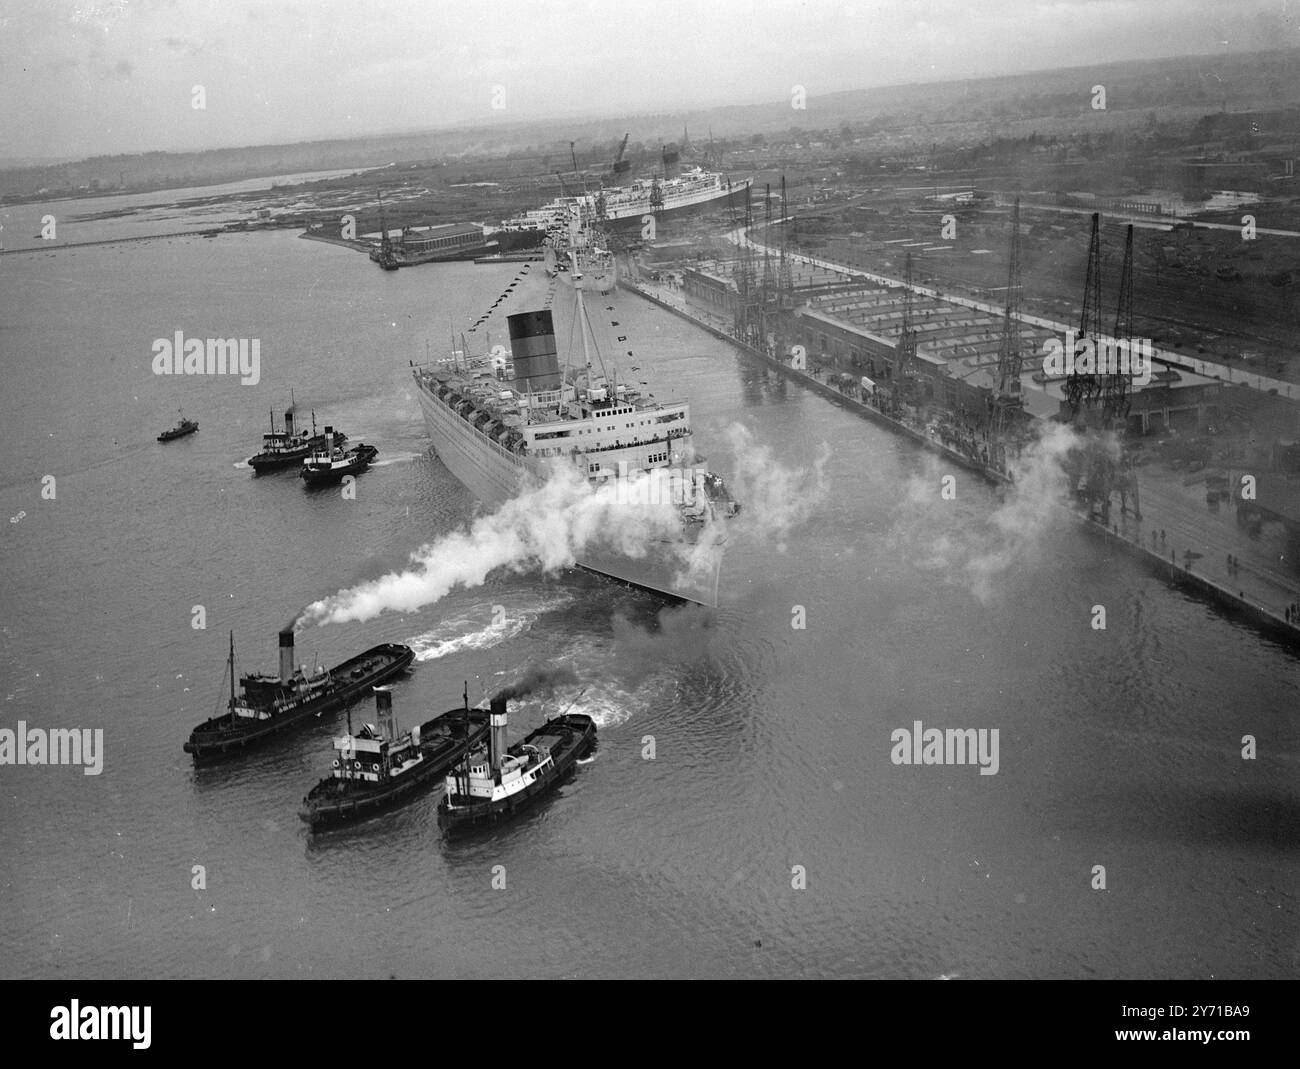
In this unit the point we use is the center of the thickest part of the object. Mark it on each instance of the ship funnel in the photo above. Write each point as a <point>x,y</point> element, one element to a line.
<point>532,343</point>
<point>671,158</point>
<point>384,707</point>
<point>286,655</point>
<point>288,422</point>
<point>498,731</point>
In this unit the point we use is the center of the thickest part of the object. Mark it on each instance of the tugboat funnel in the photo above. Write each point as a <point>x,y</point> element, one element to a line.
<point>498,719</point>
<point>288,422</point>
<point>286,655</point>
<point>384,706</point>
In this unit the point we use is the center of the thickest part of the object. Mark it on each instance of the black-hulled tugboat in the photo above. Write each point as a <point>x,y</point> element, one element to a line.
<point>493,782</point>
<point>325,465</point>
<point>182,428</point>
<point>269,704</point>
<point>377,769</point>
<point>285,448</point>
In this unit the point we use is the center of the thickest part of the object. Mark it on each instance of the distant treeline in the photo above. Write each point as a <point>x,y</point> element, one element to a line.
<point>1241,96</point>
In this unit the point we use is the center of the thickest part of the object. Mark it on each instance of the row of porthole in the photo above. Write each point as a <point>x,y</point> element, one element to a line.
<point>356,765</point>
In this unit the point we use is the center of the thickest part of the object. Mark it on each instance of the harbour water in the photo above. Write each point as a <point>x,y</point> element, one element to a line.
<point>771,764</point>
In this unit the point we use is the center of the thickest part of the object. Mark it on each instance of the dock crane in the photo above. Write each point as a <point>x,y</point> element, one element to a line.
<point>1081,390</point>
<point>1100,400</point>
<point>1008,401</point>
<point>622,166</point>
<point>905,351</point>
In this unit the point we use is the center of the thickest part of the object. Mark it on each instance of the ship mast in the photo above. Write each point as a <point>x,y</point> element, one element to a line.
<point>463,765</point>
<point>584,324</point>
<point>232,676</point>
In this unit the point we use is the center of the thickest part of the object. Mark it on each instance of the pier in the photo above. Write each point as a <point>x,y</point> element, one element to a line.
<point>54,246</point>
<point>1193,555</point>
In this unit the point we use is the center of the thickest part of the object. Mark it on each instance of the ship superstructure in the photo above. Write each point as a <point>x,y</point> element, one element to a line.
<point>494,781</point>
<point>289,446</point>
<point>379,767</point>
<point>326,464</point>
<point>586,247</point>
<point>501,419</point>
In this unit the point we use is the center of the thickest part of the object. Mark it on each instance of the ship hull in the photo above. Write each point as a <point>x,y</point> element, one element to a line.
<point>174,433</point>
<point>495,475</point>
<point>219,737</point>
<point>580,731</point>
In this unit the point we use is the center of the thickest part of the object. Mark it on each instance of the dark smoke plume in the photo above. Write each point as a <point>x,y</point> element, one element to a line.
<point>537,679</point>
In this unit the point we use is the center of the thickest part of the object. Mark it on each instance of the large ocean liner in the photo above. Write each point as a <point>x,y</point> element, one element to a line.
<point>622,208</point>
<point>501,428</point>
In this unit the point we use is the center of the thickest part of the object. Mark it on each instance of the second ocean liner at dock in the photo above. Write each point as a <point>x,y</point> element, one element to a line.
<point>500,429</point>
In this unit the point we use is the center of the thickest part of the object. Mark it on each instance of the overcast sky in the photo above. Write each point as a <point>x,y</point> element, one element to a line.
<point>106,76</point>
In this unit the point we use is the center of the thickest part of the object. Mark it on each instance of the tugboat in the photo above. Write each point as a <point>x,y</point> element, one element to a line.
<point>326,465</point>
<point>376,769</point>
<point>270,704</point>
<point>184,427</point>
<point>494,782</point>
<point>280,449</point>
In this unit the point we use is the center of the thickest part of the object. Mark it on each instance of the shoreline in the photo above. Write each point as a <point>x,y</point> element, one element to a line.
<point>1233,604</point>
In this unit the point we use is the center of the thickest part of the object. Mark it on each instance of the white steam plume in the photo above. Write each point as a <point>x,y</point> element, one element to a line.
<point>1014,535</point>
<point>1019,525</point>
<point>774,499</point>
<point>552,526</point>
<point>545,528</point>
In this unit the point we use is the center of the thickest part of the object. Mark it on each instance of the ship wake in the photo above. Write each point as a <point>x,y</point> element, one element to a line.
<point>451,636</point>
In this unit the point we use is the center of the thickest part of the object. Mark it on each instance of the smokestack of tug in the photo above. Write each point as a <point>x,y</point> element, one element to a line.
<point>288,422</point>
<point>286,655</point>
<point>384,707</point>
<point>498,721</point>
<point>532,347</point>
